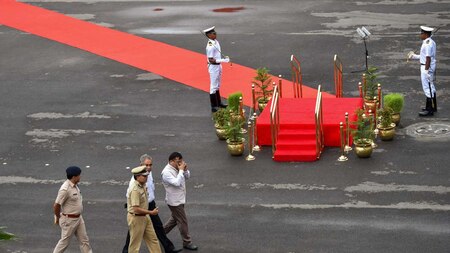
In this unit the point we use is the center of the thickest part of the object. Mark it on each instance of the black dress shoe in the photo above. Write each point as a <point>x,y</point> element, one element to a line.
<point>191,246</point>
<point>176,250</point>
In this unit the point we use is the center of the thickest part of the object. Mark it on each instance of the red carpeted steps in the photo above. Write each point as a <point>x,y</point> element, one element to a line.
<point>296,144</point>
<point>297,135</point>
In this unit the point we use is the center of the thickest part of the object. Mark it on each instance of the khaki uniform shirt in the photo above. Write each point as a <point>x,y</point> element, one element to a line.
<point>70,199</point>
<point>137,196</point>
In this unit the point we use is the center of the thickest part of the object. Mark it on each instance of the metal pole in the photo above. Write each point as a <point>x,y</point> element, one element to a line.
<point>347,148</point>
<point>280,86</point>
<point>254,97</point>
<point>342,158</point>
<point>360,89</point>
<point>250,156</point>
<point>374,129</point>
<point>256,147</point>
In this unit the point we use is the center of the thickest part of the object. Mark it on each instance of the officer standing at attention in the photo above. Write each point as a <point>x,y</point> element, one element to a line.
<point>67,209</point>
<point>168,246</point>
<point>214,55</point>
<point>139,223</point>
<point>427,59</point>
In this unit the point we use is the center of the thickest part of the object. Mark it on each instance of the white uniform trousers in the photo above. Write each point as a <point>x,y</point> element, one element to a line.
<point>215,74</point>
<point>427,84</point>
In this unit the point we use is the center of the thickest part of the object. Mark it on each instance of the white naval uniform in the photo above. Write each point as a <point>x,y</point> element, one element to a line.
<point>215,70</point>
<point>428,49</point>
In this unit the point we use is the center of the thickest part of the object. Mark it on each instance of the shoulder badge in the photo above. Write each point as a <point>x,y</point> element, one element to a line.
<point>209,43</point>
<point>428,41</point>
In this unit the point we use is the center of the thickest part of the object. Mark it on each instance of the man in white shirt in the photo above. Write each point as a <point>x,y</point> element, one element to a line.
<point>147,161</point>
<point>427,59</point>
<point>214,59</point>
<point>173,178</point>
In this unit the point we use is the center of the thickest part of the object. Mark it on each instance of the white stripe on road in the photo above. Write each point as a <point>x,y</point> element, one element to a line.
<point>363,205</point>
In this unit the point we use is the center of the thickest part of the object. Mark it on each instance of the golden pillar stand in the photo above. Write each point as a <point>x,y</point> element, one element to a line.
<point>254,103</point>
<point>250,156</point>
<point>342,158</point>
<point>280,87</point>
<point>347,147</point>
<point>360,90</point>
<point>374,129</point>
<point>256,147</point>
<point>241,110</point>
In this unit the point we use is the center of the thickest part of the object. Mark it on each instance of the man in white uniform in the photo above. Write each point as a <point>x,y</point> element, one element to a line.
<point>427,59</point>
<point>214,58</point>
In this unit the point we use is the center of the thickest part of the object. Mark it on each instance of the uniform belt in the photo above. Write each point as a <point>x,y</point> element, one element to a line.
<point>71,215</point>
<point>214,63</point>
<point>137,214</point>
<point>422,63</point>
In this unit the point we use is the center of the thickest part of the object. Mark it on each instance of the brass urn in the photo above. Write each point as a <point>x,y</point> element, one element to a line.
<point>370,104</point>
<point>262,104</point>
<point>235,148</point>
<point>363,149</point>
<point>221,132</point>
<point>386,133</point>
<point>396,118</point>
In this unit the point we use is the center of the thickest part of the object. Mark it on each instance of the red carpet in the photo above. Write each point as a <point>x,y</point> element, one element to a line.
<point>297,136</point>
<point>171,62</point>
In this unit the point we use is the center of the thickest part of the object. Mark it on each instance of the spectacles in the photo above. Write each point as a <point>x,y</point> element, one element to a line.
<point>148,165</point>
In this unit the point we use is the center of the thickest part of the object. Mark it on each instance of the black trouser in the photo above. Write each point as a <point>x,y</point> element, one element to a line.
<point>159,230</point>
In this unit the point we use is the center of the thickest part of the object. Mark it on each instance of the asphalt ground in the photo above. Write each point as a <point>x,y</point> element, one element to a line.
<point>61,106</point>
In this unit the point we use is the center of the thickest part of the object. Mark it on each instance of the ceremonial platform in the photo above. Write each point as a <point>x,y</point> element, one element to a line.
<point>296,139</point>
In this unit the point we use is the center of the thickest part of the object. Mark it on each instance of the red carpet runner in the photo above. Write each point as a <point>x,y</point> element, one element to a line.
<point>171,62</point>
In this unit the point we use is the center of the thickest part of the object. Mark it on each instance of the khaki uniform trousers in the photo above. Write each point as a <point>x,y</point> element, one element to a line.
<point>141,227</point>
<point>69,227</point>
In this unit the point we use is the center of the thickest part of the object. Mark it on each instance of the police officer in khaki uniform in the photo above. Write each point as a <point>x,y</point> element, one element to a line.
<point>139,222</point>
<point>67,209</point>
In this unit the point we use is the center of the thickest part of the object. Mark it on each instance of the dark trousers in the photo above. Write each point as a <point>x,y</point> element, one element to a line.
<point>159,230</point>
<point>178,218</point>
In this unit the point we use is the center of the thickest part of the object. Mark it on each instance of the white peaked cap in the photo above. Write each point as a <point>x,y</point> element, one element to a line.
<point>208,29</point>
<point>426,28</point>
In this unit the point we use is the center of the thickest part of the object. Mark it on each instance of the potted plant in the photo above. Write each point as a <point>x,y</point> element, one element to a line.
<point>5,236</point>
<point>386,127</point>
<point>235,137</point>
<point>363,134</point>
<point>370,89</point>
<point>394,101</point>
<point>263,82</point>
<point>220,118</point>
<point>235,108</point>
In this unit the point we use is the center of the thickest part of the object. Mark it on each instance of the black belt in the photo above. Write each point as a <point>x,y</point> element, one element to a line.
<point>422,64</point>
<point>214,63</point>
<point>137,214</point>
<point>71,215</point>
